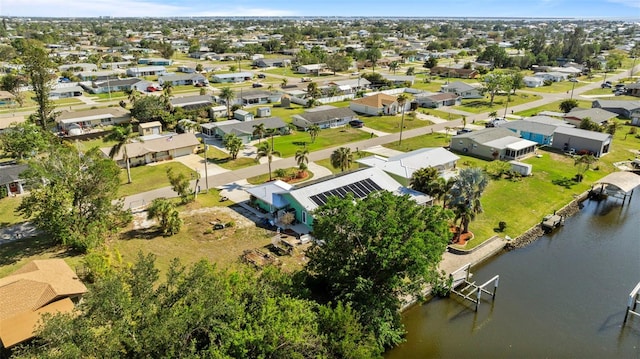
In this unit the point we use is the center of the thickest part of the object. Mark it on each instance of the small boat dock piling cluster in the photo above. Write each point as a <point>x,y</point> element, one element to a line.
<point>632,303</point>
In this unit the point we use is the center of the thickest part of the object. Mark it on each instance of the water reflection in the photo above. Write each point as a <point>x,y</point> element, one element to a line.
<point>563,296</point>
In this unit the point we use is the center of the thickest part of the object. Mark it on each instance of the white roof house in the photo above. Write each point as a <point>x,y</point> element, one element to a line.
<point>402,167</point>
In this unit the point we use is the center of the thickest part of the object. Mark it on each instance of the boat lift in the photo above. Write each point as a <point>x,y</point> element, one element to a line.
<point>632,303</point>
<point>470,290</point>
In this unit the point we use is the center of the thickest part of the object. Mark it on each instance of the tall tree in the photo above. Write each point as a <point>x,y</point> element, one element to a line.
<point>24,140</point>
<point>233,144</point>
<point>342,158</point>
<point>150,108</point>
<point>465,195</point>
<point>167,88</point>
<point>426,180</point>
<point>123,135</point>
<point>567,105</point>
<point>375,252</point>
<point>39,69</point>
<point>227,95</point>
<point>72,196</point>
<point>180,185</point>
<point>493,83</point>
<point>266,150</point>
<point>302,158</point>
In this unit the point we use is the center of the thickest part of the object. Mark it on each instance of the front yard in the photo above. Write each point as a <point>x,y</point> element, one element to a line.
<point>499,103</point>
<point>391,124</point>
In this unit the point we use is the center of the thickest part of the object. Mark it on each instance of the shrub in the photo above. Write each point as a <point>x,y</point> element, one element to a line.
<point>502,225</point>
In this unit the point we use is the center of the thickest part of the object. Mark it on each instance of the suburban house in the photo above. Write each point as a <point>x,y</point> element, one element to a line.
<point>10,179</point>
<point>633,89</point>
<point>232,77</point>
<point>257,97</point>
<point>375,105</point>
<point>98,75</point>
<point>150,128</point>
<point>551,76</point>
<point>402,167</point>
<point>182,79</point>
<point>264,63</point>
<point>159,148</point>
<point>438,100</point>
<point>533,81</point>
<point>462,89</point>
<point>88,119</point>
<point>107,86</point>
<point>597,115</point>
<point>533,130</point>
<point>621,107</point>
<point>581,141</point>
<point>140,71</point>
<point>155,61</point>
<point>186,69</point>
<point>324,117</point>
<point>492,144</point>
<point>78,67</point>
<point>47,286</point>
<point>311,69</point>
<point>115,65</point>
<point>192,102</point>
<point>6,98</point>
<point>268,197</point>
<point>243,129</point>
<point>454,72</point>
<point>303,199</point>
<point>65,92</point>
<point>400,79</point>
<point>350,86</point>
<point>242,115</point>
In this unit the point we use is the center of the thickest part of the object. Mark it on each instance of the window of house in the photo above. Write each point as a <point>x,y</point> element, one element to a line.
<point>304,217</point>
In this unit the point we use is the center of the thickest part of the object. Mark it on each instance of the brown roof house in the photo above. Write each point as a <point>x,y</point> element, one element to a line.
<point>454,72</point>
<point>378,104</point>
<point>39,287</point>
<point>161,148</point>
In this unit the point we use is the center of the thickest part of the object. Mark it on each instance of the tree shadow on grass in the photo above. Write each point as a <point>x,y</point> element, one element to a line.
<point>141,233</point>
<point>14,251</point>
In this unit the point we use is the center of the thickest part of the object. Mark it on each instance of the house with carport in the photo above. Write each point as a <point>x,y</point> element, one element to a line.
<point>533,81</point>
<point>88,119</point>
<point>462,89</point>
<point>141,71</point>
<point>581,141</point>
<point>437,100</point>
<point>493,144</point>
<point>232,77</point>
<point>596,115</point>
<point>243,129</point>
<point>156,148</point>
<point>186,79</point>
<point>192,102</point>
<point>621,107</point>
<point>376,104</point>
<point>539,129</point>
<point>401,167</point>
<point>324,117</point>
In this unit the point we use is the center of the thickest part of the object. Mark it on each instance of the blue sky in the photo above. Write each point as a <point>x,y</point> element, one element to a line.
<point>458,8</point>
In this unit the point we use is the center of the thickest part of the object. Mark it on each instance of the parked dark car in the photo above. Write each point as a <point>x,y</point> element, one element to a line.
<point>463,130</point>
<point>356,123</point>
<point>256,84</point>
<point>262,76</point>
<point>605,86</point>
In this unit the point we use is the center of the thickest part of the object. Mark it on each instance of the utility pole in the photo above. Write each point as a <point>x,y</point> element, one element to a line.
<point>206,174</point>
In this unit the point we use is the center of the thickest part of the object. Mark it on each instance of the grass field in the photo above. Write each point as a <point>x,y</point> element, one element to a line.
<point>553,106</point>
<point>8,216</point>
<point>391,124</point>
<point>499,102</point>
<point>149,177</point>
<point>287,145</point>
<point>558,87</point>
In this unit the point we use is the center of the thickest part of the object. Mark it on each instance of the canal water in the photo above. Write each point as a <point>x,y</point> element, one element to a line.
<point>563,296</point>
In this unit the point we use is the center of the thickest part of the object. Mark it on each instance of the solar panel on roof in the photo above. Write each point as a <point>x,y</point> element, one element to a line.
<point>359,189</point>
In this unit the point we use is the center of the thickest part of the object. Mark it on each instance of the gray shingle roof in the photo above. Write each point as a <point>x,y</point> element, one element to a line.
<point>328,114</point>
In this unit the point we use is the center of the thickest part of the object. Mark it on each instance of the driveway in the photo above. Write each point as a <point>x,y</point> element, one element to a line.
<point>196,163</point>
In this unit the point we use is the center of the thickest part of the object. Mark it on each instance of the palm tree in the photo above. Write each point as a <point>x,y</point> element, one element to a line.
<point>265,150</point>
<point>313,132</point>
<point>259,130</point>
<point>402,99</point>
<point>302,158</point>
<point>232,143</point>
<point>342,158</point>
<point>583,163</point>
<point>227,95</point>
<point>123,135</point>
<point>493,114</point>
<point>394,66</point>
<point>284,82</point>
<point>465,195</point>
<point>133,95</point>
<point>312,90</point>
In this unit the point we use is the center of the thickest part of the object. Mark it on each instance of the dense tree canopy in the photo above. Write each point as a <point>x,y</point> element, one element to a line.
<point>200,312</point>
<point>71,196</point>
<point>24,140</point>
<point>376,251</point>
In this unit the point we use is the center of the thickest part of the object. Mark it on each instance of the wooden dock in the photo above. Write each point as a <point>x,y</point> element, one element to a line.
<point>551,222</point>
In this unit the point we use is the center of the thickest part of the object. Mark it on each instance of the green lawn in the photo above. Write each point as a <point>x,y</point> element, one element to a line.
<point>327,163</point>
<point>149,177</point>
<point>499,102</point>
<point>558,87</point>
<point>427,86</point>
<point>439,113</point>
<point>8,216</point>
<point>287,145</point>
<point>292,176</point>
<point>391,124</point>
<point>553,106</point>
<point>414,143</point>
